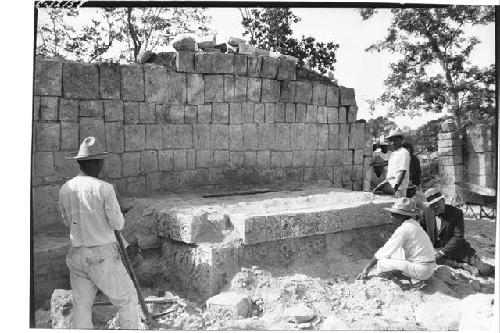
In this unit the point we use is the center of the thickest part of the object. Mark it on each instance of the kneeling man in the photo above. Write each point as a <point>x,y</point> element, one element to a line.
<point>418,260</point>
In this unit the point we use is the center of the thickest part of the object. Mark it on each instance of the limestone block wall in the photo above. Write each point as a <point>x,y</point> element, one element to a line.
<point>198,119</point>
<point>451,162</point>
<point>481,156</point>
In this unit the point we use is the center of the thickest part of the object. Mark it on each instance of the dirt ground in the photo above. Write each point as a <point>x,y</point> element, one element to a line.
<point>330,293</point>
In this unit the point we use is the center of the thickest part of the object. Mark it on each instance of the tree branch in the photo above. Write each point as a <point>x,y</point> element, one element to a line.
<point>133,34</point>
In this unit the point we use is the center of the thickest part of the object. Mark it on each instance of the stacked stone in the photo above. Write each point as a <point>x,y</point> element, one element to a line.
<point>205,118</point>
<point>451,162</point>
<point>480,162</point>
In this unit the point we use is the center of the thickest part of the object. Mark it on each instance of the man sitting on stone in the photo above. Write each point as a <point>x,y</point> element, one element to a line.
<point>445,226</point>
<point>379,172</point>
<point>398,168</point>
<point>409,237</point>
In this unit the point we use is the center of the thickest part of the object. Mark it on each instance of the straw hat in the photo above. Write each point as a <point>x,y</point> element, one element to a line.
<point>394,134</point>
<point>404,206</point>
<point>378,161</point>
<point>433,195</point>
<point>90,149</point>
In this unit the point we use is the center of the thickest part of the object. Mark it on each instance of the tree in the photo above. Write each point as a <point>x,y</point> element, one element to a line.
<point>430,38</point>
<point>426,136</point>
<point>381,126</point>
<point>124,32</point>
<point>270,29</point>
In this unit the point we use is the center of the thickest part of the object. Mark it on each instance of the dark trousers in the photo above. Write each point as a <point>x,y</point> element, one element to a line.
<point>471,263</point>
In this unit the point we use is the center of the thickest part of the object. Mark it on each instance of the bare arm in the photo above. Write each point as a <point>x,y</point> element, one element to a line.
<point>401,177</point>
<point>368,267</point>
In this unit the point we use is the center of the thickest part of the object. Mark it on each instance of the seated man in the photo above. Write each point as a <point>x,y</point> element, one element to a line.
<point>379,172</point>
<point>445,226</point>
<point>398,168</point>
<point>418,261</point>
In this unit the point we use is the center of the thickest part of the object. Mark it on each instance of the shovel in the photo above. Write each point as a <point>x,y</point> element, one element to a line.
<point>381,184</point>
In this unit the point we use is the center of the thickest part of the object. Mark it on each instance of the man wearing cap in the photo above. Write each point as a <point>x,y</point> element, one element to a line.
<point>418,260</point>
<point>379,172</point>
<point>445,226</point>
<point>398,168</point>
<point>90,209</point>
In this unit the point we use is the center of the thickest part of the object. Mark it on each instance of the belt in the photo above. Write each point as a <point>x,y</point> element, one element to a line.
<point>425,262</point>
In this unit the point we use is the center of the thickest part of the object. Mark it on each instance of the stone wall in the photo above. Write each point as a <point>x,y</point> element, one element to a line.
<point>198,119</point>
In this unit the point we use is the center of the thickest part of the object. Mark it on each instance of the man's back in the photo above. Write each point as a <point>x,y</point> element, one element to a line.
<point>90,209</point>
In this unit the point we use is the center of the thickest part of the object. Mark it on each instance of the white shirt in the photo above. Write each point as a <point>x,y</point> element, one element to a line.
<point>412,239</point>
<point>90,209</point>
<point>399,160</point>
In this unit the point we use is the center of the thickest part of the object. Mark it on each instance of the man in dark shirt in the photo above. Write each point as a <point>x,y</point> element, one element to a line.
<point>445,226</point>
<point>415,170</point>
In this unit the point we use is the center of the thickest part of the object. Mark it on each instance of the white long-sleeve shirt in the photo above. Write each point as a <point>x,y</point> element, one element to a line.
<point>412,239</point>
<point>90,209</point>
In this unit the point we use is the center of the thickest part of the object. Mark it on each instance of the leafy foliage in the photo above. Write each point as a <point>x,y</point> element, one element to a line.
<point>433,73</point>
<point>381,126</point>
<point>118,34</point>
<point>270,29</point>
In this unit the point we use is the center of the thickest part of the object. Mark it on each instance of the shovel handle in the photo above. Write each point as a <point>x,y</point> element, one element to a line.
<point>128,266</point>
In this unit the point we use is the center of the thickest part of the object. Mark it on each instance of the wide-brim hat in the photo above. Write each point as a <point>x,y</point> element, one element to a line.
<point>433,195</point>
<point>404,206</point>
<point>395,134</point>
<point>384,143</point>
<point>90,149</point>
<point>378,161</point>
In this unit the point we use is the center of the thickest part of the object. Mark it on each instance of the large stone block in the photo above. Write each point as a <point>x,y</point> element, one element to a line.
<point>147,113</point>
<point>131,164</point>
<point>201,136</point>
<point>352,113</point>
<point>204,159</point>
<point>235,113</point>
<point>357,136</point>
<point>279,112</point>
<point>270,90</point>
<point>297,136</point>
<point>451,174</point>
<point>319,158</point>
<point>114,136</point>
<point>136,186</point>
<point>357,172</point>
<point>303,92</point>
<point>300,113</point>
<point>323,137</point>
<point>135,137</point>
<point>282,136</point>
<point>93,127</point>
<point>259,113</point>
<point>185,62</point>
<point>149,161</point>
<point>220,113</point>
<point>254,89</point>
<point>180,159</point>
<point>176,114</point>
<point>153,182</point>
<point>347,96</point>
<point>113,166</point>
<point>155,80</point>
<point>240,88</point>
<point>482,180</point>
<point>132,83</point>
<point>451,160</point>
<point>281,159</point>
<point>448,135</point>
<point>48,77</point>
<point>236,159</point>
<point>190,114</point>
<point>322,114</point>
<point>178,136</point>
<point>219,136</point>
<point>161,113</point>
<point>109,81</point>
<point>287,92</point>
<point>332,95</point>
<point>264,159</point>
<point>221,159</point>
<point>312,114</point>
<point>344,136</point>
<point>224,63</point>
<point>176,88</point>
<point>154,136</point>
<point>240,64</point>
<point>346,173</point>
<point>36,108</point>
<point>254,64</point>
<point>269,112</point>
<point>250,159</point>
<point>204,63</point>
<point>447,151</point>
<point>332,115</point>
<point>70,135</point>
<point>228,88</point>
<point>214,88</point>
<point>131,112</point>
<point>166,160</point>
<point>250,137</point>
<point>311,136</point>
<point>342,115</point>
<point>91,109</point>
<point>479,163</point>
<point>310,158</point>
<point>319,93</point>
<point>235,138</point>
<point>286,70</point>
<point>266,136</point>
<point>47,136</point>
<point>449,142</point>
<point>43,164</point>
<point>298,158</point>
<point>480,140</point>
<point>195,89</point>
<point>49,107</point>
<point>269,67</point>
<point>113,110</point>
<point>45,211</point>
<point>80,80</point>
<point>204,114</point>
<point>359,156</point>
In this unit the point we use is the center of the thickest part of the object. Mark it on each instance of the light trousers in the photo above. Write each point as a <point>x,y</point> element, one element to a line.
<point>100,267</point>
<point>411,269</point>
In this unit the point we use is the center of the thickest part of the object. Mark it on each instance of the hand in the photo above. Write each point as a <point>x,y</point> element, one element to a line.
<point>125,209</point>
<point>438,254</point>
<point>363,275</point>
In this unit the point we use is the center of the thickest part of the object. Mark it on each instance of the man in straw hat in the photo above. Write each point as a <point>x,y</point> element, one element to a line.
<point>398,168</point>
<point>445,226</point>
<point>418,261</point>
<point>379,172</point>
<point>90,209</point>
